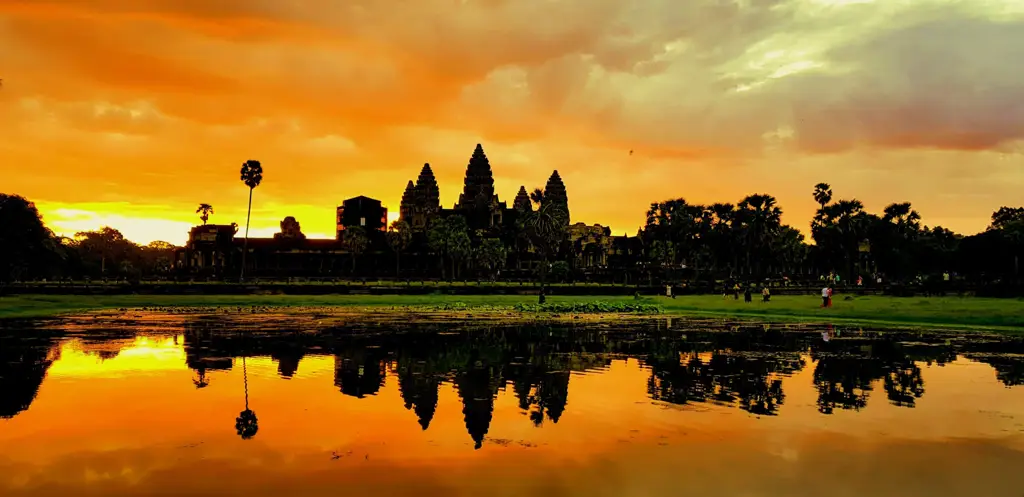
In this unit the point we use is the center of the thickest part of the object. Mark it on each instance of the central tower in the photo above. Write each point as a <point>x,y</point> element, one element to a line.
<point>478,190</point>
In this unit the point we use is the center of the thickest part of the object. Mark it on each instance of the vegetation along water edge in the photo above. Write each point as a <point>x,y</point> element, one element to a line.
<point>958,312</point>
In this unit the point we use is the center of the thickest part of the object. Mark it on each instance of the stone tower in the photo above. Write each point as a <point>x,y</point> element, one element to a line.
<point>479,184</point>
<point>427,193</point>
<point>421,201</point>
<point>408,202</point>
<point>554,192</point>
<point>522,202</point>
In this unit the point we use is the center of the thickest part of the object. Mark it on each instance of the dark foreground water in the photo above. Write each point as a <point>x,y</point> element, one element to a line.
<point>178,405</point>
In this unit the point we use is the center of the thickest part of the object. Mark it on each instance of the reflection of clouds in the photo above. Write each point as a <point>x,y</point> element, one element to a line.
<point>221,467</point>
<point>140,355</point>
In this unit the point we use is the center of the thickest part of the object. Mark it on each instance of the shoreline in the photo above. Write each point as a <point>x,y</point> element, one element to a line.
<point>951,313</point>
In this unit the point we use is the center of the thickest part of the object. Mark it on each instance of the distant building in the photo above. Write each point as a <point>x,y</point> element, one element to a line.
<point>290,230</point>
<point>209,246</point>
<point>362,211</point>
<point>591,244</point>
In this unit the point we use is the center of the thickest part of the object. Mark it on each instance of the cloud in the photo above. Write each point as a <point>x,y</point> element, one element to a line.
<point>945,83</point>
<point>131,100</point>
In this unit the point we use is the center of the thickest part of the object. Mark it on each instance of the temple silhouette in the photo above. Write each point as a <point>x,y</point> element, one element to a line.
<point>216,249</point>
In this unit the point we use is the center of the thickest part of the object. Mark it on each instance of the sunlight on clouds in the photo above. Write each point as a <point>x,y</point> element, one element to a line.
<point>143,230</point>
<point>109,110</point>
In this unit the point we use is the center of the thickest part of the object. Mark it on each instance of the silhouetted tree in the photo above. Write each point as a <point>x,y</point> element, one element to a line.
<point>204,212</point>
<point>107,245</point>
<point>356,242</point>
<point>27,247</point>
<point>252,176</point>
<point>545,228</point>
<point>449,238</point>
<point>491,256</point>
<point>399,238</point>
<point>822,194</point>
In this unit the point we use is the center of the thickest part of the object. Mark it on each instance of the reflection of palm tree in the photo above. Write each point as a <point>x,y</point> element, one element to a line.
<point>200,381</point>
<point>903,384</point>
<point>246,424</point>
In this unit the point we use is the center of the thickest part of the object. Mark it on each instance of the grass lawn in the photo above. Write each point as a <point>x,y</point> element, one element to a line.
<point>962,312</point>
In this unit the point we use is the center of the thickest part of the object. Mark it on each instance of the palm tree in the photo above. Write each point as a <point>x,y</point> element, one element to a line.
<point>246,424</point>
<point>903,216</point>
<point>252,176</point>
<point>822,194</point>
<point>399,238</point>
<point>449,238</point>
<point>761,220</point>
<point>839,229</point>
<point>546,232</point>
<point>720,218</point>
<point>204,212</point>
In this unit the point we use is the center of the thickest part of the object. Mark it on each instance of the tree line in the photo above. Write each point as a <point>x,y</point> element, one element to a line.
<point>31,251</point>
<point>749,240</point>
<point>680,241</point>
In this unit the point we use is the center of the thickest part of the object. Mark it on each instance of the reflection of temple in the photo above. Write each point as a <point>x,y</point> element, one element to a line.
<point>477,386</point>
<point>745,369</point>
<point>359,373</point>
<point>419,385</point>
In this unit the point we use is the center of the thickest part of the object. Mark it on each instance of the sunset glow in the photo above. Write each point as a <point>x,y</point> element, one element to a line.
<point>131,113</point>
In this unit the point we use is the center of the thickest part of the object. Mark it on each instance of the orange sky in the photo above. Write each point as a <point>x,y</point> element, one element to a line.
<point>131,112</point>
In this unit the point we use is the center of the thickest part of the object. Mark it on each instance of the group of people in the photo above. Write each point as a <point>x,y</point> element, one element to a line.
<point>766,294</point>
<point>826,296</point>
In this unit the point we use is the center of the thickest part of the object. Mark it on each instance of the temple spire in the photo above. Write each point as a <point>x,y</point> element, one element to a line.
<point>522,202</point>
<point>554,192</point>
<point>478,186</point>
<point>408,202</point>
<point>427,193</point>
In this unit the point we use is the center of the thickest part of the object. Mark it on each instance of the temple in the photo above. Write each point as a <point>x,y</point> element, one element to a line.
<point>484,212</point>
<point>215,250</point>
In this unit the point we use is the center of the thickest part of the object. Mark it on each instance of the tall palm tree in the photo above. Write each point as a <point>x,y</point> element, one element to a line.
<point>246,424</point>
<point>545,228</point>
<point>761,219</point>
<point>839,229</point>
<point>822,194</point>
<point>204,212</point>
<point>537,197</point>
<point>252,176</point>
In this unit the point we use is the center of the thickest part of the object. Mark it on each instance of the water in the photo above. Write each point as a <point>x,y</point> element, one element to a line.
<point>149,404</point>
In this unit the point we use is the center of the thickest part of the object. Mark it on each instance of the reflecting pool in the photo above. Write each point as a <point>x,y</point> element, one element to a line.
<point>280,405</point>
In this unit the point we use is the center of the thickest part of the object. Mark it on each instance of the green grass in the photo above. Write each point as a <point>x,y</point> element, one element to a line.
<point>958,312</point>
<point>339,282</point>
